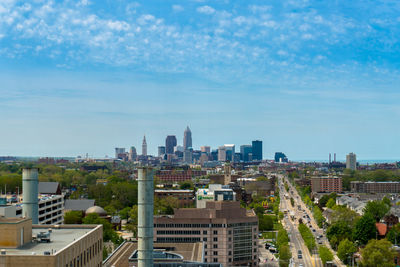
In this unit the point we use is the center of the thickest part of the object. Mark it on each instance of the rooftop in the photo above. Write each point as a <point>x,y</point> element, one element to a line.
<point>61,237</point>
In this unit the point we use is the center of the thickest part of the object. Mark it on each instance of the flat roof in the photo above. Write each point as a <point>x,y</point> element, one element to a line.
<point>60,239</point>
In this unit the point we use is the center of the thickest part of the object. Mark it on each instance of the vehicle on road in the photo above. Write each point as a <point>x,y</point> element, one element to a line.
<point>299,254</point>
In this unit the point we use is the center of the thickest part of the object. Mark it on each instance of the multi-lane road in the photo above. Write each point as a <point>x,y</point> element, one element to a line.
<point>299,210</point>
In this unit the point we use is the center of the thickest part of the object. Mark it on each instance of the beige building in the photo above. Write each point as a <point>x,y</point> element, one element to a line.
<point>326,184</point>
<point>22,244</point>
<point>228,232</point>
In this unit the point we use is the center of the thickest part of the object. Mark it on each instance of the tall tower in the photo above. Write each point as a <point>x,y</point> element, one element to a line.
<point>170,143</point>
<point>351,161</point>
<point>145,218</point>
<point>30,190</point>
<point>144,146</point>
<point>132,153</point>
<point>187,139</point>
<point>257,150</point>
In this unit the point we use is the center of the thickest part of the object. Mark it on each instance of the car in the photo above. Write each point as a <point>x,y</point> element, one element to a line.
<point>299,256</point>
<point>313,230</point>
<point>273,250</point>
<point>300,265</point>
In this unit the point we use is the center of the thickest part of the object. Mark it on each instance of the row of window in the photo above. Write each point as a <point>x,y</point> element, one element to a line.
<point>87,255</point>
<point>178,239</point>
<point>178,232</point>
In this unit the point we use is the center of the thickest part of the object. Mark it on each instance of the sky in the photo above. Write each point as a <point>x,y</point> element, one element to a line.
<point>306,77</point>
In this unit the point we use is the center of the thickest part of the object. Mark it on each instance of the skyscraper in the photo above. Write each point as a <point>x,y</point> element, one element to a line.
<point>351,161</point>
<point>257,149</point>
<point>170,142</point>
<point>205,149</point>
<point>245,150</point>
<point>187,139</point>
<point>144,146</point>
<point>132,153</point>
<point>118,151</point>
<point>161,150</point>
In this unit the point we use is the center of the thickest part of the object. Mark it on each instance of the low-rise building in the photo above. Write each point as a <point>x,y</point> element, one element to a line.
<point>375,187</point>
<point>214,192</point>
<point>22,244</point>
<point>229,232</point>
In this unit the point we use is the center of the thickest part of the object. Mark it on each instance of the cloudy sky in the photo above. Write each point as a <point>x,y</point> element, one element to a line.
<point>307,77</point>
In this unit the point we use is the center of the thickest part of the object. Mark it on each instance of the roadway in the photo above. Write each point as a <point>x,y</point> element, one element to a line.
<point>291,225</point>
<point>311,221</point>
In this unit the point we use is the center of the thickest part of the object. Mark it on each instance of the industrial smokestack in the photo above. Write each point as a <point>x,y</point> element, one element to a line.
<point>330,158</point>
<point>145,223</point>
<point>30,207</point>
<point>334,157</point>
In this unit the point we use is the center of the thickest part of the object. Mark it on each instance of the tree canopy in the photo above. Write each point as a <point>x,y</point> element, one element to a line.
<point>378,253</point>
<point>364,229</point>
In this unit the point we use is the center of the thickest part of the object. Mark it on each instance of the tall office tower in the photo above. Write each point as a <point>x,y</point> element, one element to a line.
<point>205,149</point>
<point>330,158</point>
<point>144,146</point>
<point>170,142</point>
<point>257,149</point>
<point>280,157</point>
<point>222,153</point>
<point>132,153</point>
<point>230,152</point>
<point>351,161</point>
<point>119,150</point>
<point>187,139</point>
<point>245,150</point>
<point>188,156</point>
<point>161,150</point>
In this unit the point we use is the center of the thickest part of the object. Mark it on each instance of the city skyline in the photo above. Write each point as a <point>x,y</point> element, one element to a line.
<point>306,77</point>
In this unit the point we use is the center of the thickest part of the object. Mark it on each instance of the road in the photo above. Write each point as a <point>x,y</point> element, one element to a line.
<point>304,211</point>
<point>296,241</point>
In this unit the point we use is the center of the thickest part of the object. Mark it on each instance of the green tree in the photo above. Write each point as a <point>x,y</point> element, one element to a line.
<point>324,199</point>
<point>133,220</point>
<point>282,239</point>
<point>73,217</point>
<point>364,229</point>
<point>124,213</point>
<point>307,236</point>
<point>346,250</point>
<point>378,253</point>
<point>284,255</point>
<point>337,232</point>
<point>377,209</point>
<point>394,234</point>
<point>325,254</point>
<point>331,203</point>
<point>186,185</point>
<point>108,233</point>
<point>266,223</point>
<point>344,214</point>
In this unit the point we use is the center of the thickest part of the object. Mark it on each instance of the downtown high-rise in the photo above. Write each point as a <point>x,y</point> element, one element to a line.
<point>187,139</point>
<point>170,143</point>
<point>256,147</point>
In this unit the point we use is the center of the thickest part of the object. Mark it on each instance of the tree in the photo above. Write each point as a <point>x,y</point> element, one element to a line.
<point>324,199</point>
<point>364,229</point>
<point>283,238</point>
<point>108,233</point>
<point>378,253</point>
<point>346,250</point>
<point>394,234</point>
<point>284,256</point>
<point>187,185</point>
<point>325,254</point>
<point>124,213</point>
<point>344,214</point>
<point>337,232</point>
<point>377,209</point>
<point>73,217</point>
<point>266,223</point>
<point>331,203</point>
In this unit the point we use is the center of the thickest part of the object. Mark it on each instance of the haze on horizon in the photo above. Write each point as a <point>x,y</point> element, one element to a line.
<point>306,77</point>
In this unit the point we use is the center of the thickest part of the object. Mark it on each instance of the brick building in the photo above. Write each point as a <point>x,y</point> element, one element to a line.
<point>185,197</point>
<point>326,184</point>
<point>375,187</point>
<point>228,231</point>
<point>178,175</point>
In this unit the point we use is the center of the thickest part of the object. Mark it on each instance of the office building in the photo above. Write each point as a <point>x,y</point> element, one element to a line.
<point>187,139</point>
<point>351,161</point>
<point>119,151</point>
<point>170,143</point>
<point>326,184</point>
<point>222,153</point>
<point>375,187</point>
<point>132,153</point>
<point>161,151</point>
<point>188,156</point>
<point>205,149</point>
<point>280,157</point>
<point>144,146</point>
<point>245,150</point>
<point>178,148</point>
<point>24,244</point>
<point>230,152</point>
<point>229,232</point>
<point>215,192</point>
<point>256,147</point>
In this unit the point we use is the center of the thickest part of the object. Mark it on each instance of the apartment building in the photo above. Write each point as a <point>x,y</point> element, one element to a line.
<point>375,187</point>
<point>326,184</point>
<point>229,232</point>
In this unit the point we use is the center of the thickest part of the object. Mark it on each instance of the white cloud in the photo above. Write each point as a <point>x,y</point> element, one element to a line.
<point>206,10</point>
<point>177,8</point>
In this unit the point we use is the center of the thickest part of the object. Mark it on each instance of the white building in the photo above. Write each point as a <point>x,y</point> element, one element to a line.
<point>351,161</point>
<point>215,192</point>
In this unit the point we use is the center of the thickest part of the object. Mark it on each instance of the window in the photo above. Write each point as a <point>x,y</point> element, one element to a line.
<point>215,246</point>
<point>215,260</point>
<point>205,260</point>
<point>230,259</point>
<point>255,250</point>
<point>229,232</point>
<point>215,232</point>
<point>204,232</point>
<point>216,239</point>
<point>230,239</point>
<point>230,253</point>
<point>215,253</point>
<point>205,246</point>
<point>205,253</point>
<point>204,238</point>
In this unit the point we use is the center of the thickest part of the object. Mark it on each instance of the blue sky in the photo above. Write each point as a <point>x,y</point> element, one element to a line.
<point>306,77</point>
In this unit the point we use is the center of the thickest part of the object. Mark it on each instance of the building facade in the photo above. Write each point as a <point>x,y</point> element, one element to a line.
<point>187,139</point>
<point>375,187</point>
<point>326,184</point>
<point>245,151</point>
<point>351,161</point>
<point>256,147</point>
<point>170,143</point>
<point>144,146</point>
<point>214,192</point>
<point>229,232</point>
<point>185,197</point>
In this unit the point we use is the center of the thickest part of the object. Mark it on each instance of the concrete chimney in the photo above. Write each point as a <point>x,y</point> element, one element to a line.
<point>30,188</point>
<point>334,157</point>
<point>329,158</point>
<point>145,214</point>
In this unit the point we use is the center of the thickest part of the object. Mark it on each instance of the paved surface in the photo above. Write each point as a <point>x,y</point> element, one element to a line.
<point>311,221</point>
<point>291,224</point>
<point>267,259</point>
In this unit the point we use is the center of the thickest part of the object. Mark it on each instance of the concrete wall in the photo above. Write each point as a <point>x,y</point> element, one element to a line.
<point>10,233</point>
